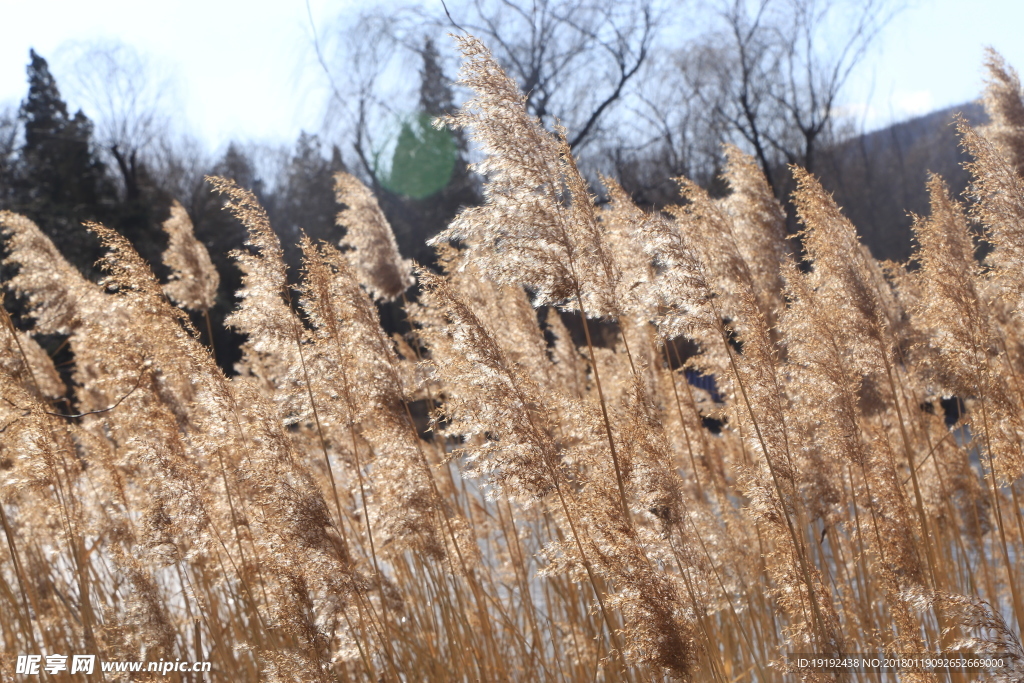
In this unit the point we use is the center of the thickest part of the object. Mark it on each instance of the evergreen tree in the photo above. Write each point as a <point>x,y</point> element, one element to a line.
<point>215,227</point>
<point>59,182</point>
<point>435,89</point>
<point>423,159</point>
<point>305,197</point>
<point>417,203</point>
<point>8,156</point>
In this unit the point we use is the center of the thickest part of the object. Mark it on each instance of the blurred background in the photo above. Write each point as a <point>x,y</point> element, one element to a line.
<point>109,110</point>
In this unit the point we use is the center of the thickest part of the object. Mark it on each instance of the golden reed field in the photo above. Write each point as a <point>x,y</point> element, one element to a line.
<point>578,509</point>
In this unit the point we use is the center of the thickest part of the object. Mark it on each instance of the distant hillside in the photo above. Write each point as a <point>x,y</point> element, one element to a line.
<point>879,177</point>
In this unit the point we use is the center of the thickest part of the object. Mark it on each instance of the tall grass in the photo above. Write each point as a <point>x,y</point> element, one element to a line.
<point>579,509</point>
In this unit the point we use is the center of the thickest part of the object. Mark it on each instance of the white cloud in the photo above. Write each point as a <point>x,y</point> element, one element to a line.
<point>907,104</point>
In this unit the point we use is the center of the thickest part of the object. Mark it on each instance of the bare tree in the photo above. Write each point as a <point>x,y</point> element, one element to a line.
<point>367,69</point>
<point>764,74</point>
<point>666,132</point>
<point>574,59</point>
<point>775,69</point>
<point>180,163</point>
<point>126,98</point>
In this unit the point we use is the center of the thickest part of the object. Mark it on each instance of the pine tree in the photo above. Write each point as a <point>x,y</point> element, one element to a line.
<point>305,197</point>
<point>59,181</point>
<point>416,203</point>
<point>423,160</point>
<point>436,100</point>
<point>435,89</point>
<point>8,148</point>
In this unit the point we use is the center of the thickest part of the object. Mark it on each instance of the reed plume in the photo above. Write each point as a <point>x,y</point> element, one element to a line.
<point>367,232</point>
<point>193,280</point>
<point>613,445</point>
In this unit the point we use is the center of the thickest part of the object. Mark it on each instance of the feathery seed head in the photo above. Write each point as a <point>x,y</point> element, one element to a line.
<point>194,281</point>
<point>375,254</point>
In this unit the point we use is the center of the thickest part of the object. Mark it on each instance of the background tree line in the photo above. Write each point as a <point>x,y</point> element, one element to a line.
<point>635,102</point>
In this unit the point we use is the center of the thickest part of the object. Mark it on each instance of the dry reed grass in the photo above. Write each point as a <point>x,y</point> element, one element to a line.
<point>569,516</point>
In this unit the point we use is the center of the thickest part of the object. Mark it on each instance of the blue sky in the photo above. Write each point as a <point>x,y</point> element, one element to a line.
<point>930,56</point>
<point>245,69</point>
